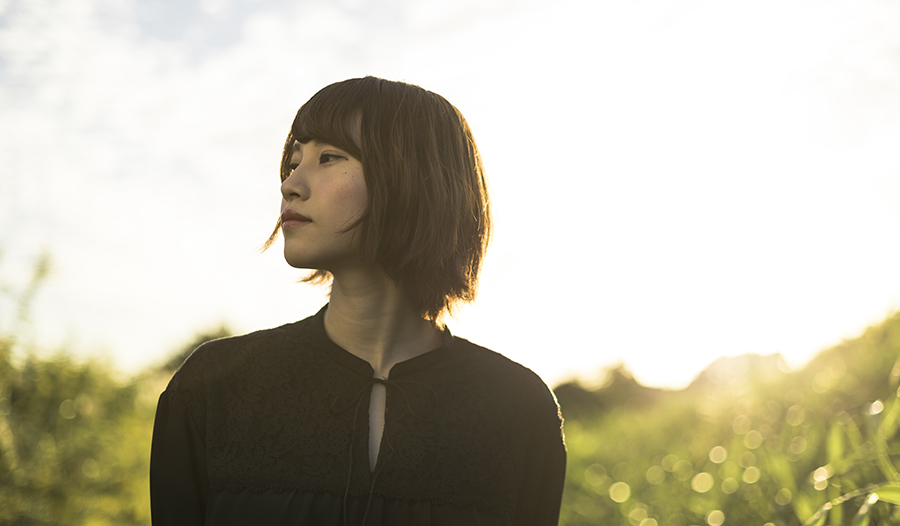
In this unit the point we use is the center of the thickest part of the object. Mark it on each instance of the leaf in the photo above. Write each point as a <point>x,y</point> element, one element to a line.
<point>889,493</point>
<point>862,517</point>
<point>883,459</point>
<point>779,468</point>
<point>819,518</point>
<point>853,433</point>
<point>889,422</point>
<point>821,521</point>
<point>836,517</point>
<point>835,445</point>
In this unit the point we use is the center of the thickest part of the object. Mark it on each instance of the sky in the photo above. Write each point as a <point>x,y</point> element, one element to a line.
<point>672,182</point>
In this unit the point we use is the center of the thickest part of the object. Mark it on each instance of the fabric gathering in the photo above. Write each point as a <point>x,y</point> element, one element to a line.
<point>256,459</point>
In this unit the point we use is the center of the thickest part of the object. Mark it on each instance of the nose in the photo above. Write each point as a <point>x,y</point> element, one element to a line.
<point>295,187</point>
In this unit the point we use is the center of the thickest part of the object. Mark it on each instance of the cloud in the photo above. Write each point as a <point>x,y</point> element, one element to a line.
<point>700,149</point>
<point>146,159</point>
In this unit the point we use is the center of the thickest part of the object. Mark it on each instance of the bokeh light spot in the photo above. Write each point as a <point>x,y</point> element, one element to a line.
<point>637,515</point>
<point>718,454</point>
<point>783,497</point>
<point>702,482</point>
<point>822,383</point>
<point>876,407</point>
<point>798,445</point>
<point>741,425</point>
<point>771,411</point>
<point>668,462</point>
<point>729,485</point>
<point>715,518</point>
<point>85,405</point>
<point>822,473</point>
<point>67,409</point>
<point>90,468</point>
<point>656,475</point>
<point>753,439</point>
<point>796,415</point>
<point>751,475</point>
<point>683,470</point>
<point>619,492</point>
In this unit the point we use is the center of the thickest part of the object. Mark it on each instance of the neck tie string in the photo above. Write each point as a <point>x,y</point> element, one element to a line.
<point>336,408</point>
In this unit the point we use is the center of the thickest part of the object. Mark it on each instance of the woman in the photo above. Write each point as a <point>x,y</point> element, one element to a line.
<point>369,412</point>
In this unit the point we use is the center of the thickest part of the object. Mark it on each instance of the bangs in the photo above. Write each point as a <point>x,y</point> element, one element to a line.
<point>332,116</point>
<point>427,220</point>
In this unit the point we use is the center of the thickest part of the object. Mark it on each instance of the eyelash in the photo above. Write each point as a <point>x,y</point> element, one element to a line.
<point>331,157</point>
<point>323,159</point>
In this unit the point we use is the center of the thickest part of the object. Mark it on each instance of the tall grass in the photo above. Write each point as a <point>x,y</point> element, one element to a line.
<point>748,444</point>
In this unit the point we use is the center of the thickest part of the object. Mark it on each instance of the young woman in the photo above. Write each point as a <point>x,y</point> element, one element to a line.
<point>369,412</point>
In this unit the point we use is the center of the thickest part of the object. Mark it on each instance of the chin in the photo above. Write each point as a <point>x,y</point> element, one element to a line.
<point>298,261</point>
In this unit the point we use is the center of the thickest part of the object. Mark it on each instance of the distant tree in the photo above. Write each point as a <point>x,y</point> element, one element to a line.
<point>618,389</point>
<point>74,438</point>
<point>177,358</point>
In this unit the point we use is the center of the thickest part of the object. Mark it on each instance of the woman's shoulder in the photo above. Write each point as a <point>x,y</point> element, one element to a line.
<point>218,360</point>
<point>495,369</point>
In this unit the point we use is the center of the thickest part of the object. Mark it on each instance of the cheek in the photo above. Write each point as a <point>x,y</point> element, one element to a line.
<point>355,195</point>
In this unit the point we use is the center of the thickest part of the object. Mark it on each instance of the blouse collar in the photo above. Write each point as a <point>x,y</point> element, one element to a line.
<point>356,364</point>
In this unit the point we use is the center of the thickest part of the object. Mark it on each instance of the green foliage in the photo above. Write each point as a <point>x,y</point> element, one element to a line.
<point>75,445</point>
<point>747,444</point>
<point>74,440</point>
<point>74,435</point>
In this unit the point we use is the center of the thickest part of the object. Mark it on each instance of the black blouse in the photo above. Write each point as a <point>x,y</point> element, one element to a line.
<point>272,428</point>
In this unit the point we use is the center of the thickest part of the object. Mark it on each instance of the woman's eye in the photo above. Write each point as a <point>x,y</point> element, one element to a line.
<point>328,157</point>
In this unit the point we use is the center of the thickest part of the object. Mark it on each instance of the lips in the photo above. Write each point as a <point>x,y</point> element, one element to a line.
<point>289,219</point>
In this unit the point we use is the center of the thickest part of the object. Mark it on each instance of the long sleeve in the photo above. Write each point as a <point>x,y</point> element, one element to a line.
<point>540,496</point>
<point>178,477</point>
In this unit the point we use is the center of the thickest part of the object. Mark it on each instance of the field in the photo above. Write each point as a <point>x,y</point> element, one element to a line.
<point>748,443</point>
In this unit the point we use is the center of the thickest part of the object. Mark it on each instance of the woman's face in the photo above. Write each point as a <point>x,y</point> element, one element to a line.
<point>323,195</point>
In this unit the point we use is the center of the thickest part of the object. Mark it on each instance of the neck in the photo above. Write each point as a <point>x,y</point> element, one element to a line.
<point>371,318</point>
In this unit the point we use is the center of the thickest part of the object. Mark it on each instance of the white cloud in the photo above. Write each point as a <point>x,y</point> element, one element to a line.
<point>684,164</point>
<point>214,7</point>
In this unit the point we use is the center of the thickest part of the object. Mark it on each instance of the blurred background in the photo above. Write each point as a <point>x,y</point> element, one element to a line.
<point>696,204</point>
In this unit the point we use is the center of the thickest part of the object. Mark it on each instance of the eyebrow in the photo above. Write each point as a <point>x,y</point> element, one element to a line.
<point>298,142</point>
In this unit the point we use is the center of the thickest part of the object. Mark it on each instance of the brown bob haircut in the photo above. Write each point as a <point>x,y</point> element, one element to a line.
<point>427,222</point>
